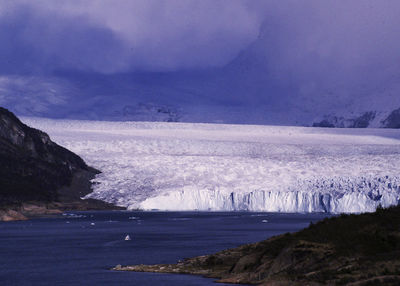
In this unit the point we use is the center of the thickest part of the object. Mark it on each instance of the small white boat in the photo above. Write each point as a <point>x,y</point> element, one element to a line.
<point>127,237</point>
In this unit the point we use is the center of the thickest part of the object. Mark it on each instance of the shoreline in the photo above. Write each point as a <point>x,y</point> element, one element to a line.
<point>366,251</point>
<point>31,210</point>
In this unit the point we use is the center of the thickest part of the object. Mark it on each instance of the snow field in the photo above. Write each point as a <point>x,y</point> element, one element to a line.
<point>188,166</point>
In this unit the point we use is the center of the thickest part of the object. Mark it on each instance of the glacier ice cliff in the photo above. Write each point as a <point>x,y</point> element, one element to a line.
<point>335,195</point>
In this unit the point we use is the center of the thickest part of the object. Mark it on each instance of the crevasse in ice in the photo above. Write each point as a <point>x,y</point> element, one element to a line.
<point>187,166</point>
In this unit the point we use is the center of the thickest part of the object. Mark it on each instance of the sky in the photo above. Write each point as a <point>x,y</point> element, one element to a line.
<point>119,36</point>
<point>247,52</point>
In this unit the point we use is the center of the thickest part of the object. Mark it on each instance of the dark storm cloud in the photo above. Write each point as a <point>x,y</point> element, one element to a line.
<point>107,36</point>
<point>111,36</point>
<point>35,42</point>
<point>334,52</point>
<point>329,40</point>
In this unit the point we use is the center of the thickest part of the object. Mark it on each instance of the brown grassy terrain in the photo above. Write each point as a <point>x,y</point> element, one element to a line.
<point>345,250</point>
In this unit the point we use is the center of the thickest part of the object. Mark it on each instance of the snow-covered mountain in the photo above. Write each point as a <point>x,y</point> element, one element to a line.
<point>186,166</point>
<point>279,79</point>
<point>372,119</point>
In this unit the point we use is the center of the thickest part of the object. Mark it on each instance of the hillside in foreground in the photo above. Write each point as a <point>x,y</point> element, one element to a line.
<point>37,175</point>
<point>344,250</point>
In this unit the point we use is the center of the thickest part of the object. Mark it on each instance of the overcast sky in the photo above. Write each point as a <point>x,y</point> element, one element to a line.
<point>314,46</point>
<point>113,36</point>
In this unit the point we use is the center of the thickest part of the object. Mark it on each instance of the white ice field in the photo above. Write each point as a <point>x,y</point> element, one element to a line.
<point>184,166</point>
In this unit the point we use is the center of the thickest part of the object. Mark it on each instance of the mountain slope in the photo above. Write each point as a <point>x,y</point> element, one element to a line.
<point>294,77</point>
<point>364,252</point>
<point>35,169</point>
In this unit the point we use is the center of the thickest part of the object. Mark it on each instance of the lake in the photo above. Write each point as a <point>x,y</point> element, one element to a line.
<point>79,248</point>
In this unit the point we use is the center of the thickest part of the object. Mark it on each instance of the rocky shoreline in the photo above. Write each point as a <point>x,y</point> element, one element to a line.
<point>346,250</point>
<point>30,210</point>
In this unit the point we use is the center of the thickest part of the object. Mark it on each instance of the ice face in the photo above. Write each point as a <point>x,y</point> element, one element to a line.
<point>313,199</point>
<point>184,166</point>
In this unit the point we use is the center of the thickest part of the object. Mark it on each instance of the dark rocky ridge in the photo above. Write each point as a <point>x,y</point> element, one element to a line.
<point>393,120</point>
<point>35,169</point>
<point>347,250</point>
<point>360,121</point>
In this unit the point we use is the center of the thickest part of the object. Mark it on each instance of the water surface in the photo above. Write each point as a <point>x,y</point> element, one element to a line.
<point>78,248</point>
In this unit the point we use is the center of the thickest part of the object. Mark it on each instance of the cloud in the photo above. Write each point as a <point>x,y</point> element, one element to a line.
<point>34,95</point>
<point>329,54</point>
<point>35,41</point>
<point>340,37</point>
<point>118,36</point>
<point>333,52</point>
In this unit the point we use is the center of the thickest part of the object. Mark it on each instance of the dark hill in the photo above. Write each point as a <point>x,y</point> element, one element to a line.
<point>33,168</point>
<point>346,250</point>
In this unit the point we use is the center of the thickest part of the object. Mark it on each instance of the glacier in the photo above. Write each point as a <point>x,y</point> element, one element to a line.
<point>220,167</point>
<point>356,198</point>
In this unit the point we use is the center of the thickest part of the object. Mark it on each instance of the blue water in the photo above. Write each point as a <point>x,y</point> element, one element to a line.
<point>73,250</point>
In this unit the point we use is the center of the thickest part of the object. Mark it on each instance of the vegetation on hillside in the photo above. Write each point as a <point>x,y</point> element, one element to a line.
<point>350,249</point>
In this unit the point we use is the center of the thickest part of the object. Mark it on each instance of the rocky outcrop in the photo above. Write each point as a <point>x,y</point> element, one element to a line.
<point>149,112</point>
<point>35,169</point>
<point>347,250</point>
<point>393,120</point>
<point>11,215</point>
<point>361,121</point>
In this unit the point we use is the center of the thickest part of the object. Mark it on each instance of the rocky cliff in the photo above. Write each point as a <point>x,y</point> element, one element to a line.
<point>35,169</point>
<point>366,119</point>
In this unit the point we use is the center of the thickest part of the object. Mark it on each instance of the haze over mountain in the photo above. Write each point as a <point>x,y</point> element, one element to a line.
<point>293,63</point>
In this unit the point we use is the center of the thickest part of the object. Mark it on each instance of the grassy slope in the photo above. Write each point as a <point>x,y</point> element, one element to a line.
<point>346,250</point>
